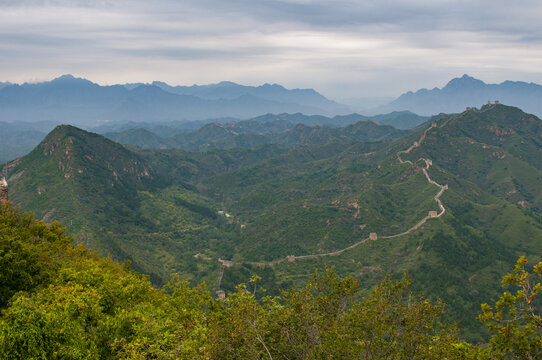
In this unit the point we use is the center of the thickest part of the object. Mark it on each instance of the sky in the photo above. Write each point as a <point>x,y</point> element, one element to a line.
<point>343,49</point>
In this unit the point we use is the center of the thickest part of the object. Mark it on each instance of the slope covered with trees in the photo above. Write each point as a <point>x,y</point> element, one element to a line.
<point>64,302</point>
<point>254,133</point>
<point>259,205</point>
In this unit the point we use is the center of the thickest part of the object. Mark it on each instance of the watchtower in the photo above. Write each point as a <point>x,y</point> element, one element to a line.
<point>226,263</point>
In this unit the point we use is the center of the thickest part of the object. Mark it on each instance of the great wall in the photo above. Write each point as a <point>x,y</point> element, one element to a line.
<point>372,236</point>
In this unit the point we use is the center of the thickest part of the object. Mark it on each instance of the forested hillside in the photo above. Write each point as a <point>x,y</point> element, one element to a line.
<point>453,205</point>
<point>270,129</point>
<point>58,301</point>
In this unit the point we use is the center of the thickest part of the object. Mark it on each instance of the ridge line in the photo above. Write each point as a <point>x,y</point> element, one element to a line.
<point>291,258</point>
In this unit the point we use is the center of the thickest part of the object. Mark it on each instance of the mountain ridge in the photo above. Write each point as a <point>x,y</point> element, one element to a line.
<point>467,91</point>
<point>310,200</point>
<point>253,133</point>
<point>82,102</point>
<point>22,137</point>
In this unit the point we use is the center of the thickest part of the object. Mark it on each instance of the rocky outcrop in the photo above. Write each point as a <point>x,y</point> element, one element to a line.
<point>3,191</point>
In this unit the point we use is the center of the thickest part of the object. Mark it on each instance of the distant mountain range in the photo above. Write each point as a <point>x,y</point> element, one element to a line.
<point>271,92</point>
<point>21,137</point>
<point>252,133</point>
<point>33,109</point>
<point>283,129</point>
<point>17,139</point>
<point>78,101</point>
<point>467,91</point>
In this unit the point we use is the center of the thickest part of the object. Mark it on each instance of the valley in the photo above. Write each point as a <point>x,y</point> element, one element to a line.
<point>372,237</point>
<point>289,179</point>
<point>453,204</point>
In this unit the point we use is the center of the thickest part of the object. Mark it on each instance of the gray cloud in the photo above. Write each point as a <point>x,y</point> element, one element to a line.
<point>342,48</point>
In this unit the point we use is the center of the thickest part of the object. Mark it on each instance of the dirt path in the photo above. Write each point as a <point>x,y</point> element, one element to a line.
<point>431,215</point>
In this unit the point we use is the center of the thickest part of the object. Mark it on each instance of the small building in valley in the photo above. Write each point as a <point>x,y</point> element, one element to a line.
<point>373,236</point>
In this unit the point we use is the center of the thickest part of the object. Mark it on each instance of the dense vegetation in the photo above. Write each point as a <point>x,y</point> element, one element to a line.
<point>162,211</point>
<point>251,133</point>
<point>64,302</point>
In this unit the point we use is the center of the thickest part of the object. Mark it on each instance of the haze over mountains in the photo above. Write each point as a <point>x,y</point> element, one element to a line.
<point>81,102</point>
<point>468,91</point>
<point>78,101</point>
<point>33,109</point>
<point>284,129</point>
<point>21,137</point>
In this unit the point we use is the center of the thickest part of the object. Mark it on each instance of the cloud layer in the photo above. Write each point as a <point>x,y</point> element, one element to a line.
<point>341,48</point>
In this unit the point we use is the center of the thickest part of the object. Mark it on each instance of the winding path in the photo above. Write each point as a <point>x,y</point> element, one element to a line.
<point>431,215</point>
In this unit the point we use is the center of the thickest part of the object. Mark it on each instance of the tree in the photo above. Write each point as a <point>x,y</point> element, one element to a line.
<point>515,321</point>
<point>323,320</point>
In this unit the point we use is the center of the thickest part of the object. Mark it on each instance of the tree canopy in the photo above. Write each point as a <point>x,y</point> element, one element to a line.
<point>60,301</point>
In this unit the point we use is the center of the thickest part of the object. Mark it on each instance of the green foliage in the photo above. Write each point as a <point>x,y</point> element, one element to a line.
<point>27,251</point>
<point>516,319</point>
<point>251,134</point>
<point>312,199</point>
<point>68,303</point>
<point>323,320</point>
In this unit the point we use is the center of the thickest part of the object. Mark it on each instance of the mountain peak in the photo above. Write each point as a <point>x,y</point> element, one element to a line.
<point>227,83</point>
<point>67,130</point>
<point>66,78</point>
<point>462,82</point>
<point>273,86</point>
<point>77,154</point>
<point>466,91</point>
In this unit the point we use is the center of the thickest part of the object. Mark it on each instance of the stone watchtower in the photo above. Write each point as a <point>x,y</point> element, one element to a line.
<point>3,191</point>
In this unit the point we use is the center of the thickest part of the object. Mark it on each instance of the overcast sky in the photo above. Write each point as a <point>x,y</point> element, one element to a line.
<point>340,48</point>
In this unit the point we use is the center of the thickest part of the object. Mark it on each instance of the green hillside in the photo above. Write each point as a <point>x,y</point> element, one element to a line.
<point>58,301</point>
<point>138,137</point>
<point>115,201</point>
<point>182,211</point>
<point>498,148</point>
<point>254,133</point>
<point>64,302</point>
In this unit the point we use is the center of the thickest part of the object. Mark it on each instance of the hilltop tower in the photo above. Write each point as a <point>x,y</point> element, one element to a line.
<point>3,191</point>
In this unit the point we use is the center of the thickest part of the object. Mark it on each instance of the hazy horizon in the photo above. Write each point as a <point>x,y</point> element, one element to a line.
<point>342,49</point>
